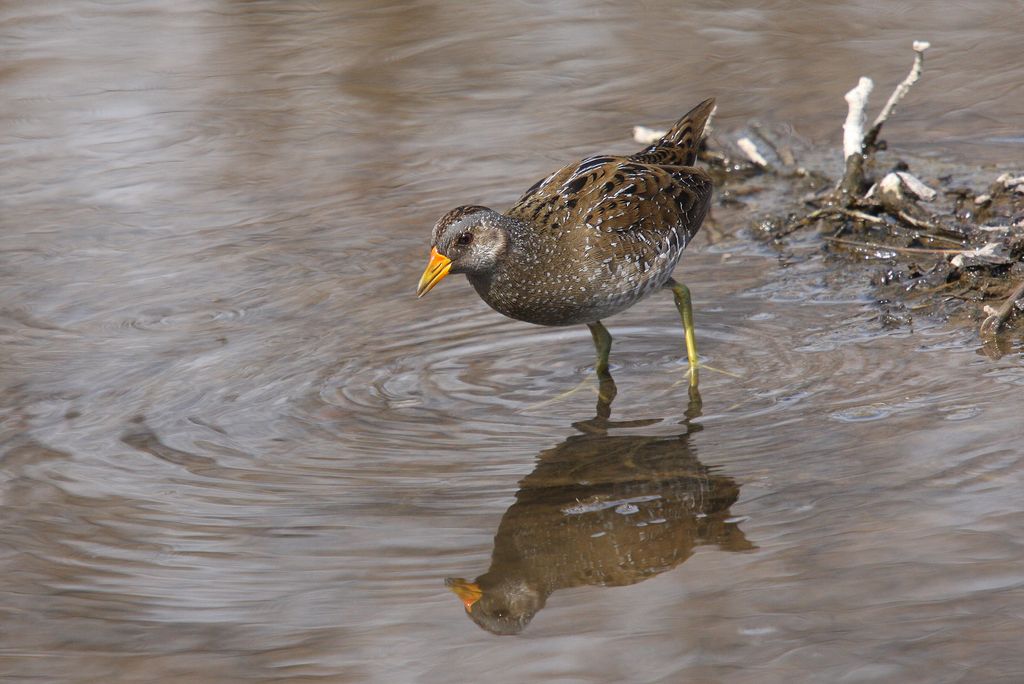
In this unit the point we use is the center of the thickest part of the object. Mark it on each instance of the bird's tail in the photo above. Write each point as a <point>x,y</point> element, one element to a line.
<point>679,146</point>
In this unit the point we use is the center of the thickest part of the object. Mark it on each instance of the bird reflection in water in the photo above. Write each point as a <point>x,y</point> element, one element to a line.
<point>603,510</point>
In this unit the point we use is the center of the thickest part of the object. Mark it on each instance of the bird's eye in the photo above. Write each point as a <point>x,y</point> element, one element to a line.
<point>464,239</point>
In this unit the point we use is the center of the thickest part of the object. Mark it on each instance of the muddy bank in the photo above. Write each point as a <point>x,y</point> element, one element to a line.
<point>933,238</point>
<point>958,255</point>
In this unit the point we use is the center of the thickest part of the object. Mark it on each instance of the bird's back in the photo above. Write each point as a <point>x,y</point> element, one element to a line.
<point>599,234</point>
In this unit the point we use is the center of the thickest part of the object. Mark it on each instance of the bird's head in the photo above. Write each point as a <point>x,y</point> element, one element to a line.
<point>503,609</point>
<point>467,239</point>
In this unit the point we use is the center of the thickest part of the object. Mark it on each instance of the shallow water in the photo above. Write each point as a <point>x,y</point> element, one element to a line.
<point>238,449</point>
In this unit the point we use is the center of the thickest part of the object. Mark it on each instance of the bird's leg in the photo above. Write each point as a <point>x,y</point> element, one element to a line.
<point>603,344</point>
<point>607,389</point>
<point>682,296</point>
<point>694,409</point>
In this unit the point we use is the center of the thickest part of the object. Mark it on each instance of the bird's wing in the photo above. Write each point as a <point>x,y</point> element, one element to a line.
<point>658,206</point>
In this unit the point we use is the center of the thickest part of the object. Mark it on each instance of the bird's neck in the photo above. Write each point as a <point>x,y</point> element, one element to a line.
<point>518,250</point>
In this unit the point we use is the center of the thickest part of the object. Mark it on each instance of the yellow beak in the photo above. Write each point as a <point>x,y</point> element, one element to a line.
<point>437,269</point>
<point>469,592</point>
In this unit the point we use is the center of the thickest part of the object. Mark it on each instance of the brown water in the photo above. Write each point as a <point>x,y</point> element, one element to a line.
<point>236,447</point>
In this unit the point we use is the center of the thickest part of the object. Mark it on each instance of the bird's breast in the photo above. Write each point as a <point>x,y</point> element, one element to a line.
<point>570,292</point>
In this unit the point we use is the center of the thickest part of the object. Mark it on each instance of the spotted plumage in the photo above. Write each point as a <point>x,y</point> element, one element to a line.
<point>587,241</point>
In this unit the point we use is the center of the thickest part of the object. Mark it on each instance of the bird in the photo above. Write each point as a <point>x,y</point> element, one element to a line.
<point>588,241</point>
<point>607,508</point>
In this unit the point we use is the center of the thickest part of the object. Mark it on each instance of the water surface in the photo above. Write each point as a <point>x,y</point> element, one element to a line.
<point>237,448</point>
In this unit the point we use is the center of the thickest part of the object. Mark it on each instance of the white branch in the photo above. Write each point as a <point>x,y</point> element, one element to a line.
<point>915,186</point>
<point>901,90</point>
<point>647,136</point>
<point>891,183</point>
<point>1011,183</point>
<point>853,128</point>
<point>750,149</point>
<point>989,249</point>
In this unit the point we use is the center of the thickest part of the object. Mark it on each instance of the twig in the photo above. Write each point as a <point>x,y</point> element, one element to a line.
<point>793,226</point>
<point>853,127</point>
<point>917,223</point>
<point>930,236</point>
<point>898,94</point>
<point>853,137</point>
<point>782,151</point>
<point>906,218</point>
<point>868,218</point>
<point>1011,183</point>
<point>889,248</point>
<point>914,184</point>
<point>748,148</point>
<point>991,325</point>
<point>807,220</point>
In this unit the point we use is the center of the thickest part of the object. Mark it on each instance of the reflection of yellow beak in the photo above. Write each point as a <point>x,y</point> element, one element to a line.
<point>469,592</point>
<point>436,270</point>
